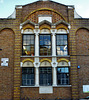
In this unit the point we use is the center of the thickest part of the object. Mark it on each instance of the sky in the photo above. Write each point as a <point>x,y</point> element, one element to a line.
<point>7,7</point>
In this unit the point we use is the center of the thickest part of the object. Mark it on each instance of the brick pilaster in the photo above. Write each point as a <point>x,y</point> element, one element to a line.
<point>73,69</point>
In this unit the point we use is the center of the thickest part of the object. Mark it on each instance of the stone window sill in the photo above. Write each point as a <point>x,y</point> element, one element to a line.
<point>46,56</point>
<point>49,86</point>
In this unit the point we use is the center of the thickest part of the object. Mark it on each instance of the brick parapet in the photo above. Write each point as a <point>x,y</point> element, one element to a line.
<point>50,5</point>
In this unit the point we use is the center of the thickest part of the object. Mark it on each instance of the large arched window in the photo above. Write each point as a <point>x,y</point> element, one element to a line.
<point>28,43</point>
<point>63,73</point>
<point>45,42</point>
<point>61,42</point>
<point>28,74</point>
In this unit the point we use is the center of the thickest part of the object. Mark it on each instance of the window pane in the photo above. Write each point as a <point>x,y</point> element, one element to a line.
<point>28,77</point>
<point>65,52</point>
<point>32,42</point>
<point>61,37</point>
<point>24,82</point>
<point>45,44</point>
<point>66,70</point>
<point>60,50</point>
<point>62,70</point>
<point>28,50</point>
<point>61,45</point>
<point>41,40</point>
<point>23,76</point>
<point>28,82</point>
<point>63,76</point>
<point>45,76</point>
<point>65,42</point>
<point>32,82</point>
<point>28,45</point>
<point>65,37</point>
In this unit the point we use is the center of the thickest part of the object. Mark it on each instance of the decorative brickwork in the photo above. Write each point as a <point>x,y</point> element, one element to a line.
<point>55,17</point>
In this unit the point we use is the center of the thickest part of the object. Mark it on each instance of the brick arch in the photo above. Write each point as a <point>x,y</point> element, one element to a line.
<point>63,59</point>
<point>45,59</point>
<point>81,28</point>
<point>7,28</point>
<point>7,36</point>
<point>28,26</point>
<point>25,60</point>
<point>33,16</point>
<point>45,63</point>
<point>82,41</point>
<point>62,26</point>
<point>45,26</point>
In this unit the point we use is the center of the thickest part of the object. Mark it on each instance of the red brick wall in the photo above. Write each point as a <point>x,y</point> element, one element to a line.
<point>82,41</point>
<point>83,74</point>
<point>6,73</point>
<point>55,16</point>
<point>27,9</point>
<point>33,93</point>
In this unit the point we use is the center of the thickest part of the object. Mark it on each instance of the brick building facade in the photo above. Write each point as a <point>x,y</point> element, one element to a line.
<point>44,53</point>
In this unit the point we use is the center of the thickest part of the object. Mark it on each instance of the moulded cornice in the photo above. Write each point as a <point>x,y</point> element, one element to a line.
<point>28,22</point>
<point>61,22</point>
<point>45,22</point>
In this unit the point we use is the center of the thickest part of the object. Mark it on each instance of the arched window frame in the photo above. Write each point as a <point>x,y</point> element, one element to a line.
<point>45,44</point>
<point>28,31</point>
<point>45,31</point>
<point>63,73</point>
<point>45,74</point>
<point>62,42</point>
<point>28,44</point>
<point>28,74</point>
